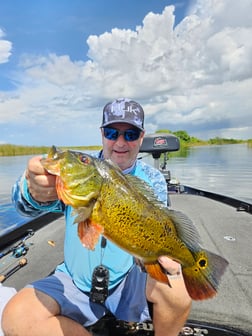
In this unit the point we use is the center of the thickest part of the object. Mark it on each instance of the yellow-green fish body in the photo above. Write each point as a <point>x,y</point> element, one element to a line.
<point>125,210</point>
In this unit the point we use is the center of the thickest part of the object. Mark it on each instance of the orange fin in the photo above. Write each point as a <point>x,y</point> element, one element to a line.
<point>202,279</point>
<point>89,233</point>
<point>198,288</point>
<point>157,273</point>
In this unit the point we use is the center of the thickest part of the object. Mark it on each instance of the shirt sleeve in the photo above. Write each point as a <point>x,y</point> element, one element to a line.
<point>27,206</point>
<point>160,187</point>
<point>154,178</point>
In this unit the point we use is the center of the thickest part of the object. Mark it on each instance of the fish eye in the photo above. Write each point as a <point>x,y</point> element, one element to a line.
<point>84,158</point>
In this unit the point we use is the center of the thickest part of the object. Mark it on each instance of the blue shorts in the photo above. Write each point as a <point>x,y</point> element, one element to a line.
<point>126,302</point>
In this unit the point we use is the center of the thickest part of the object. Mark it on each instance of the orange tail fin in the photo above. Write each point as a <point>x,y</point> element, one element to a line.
<point>202,279</point>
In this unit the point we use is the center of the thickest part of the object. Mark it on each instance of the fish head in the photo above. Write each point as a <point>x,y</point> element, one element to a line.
<point>52,162</point>
<point>78,180</point>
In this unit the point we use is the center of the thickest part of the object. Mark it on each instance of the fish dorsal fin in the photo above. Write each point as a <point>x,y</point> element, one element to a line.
<point>109,163</point>
<point>103,165</point>
<point>186,230</point>
<point>114,165</point>
<point>145,189</point>
<point>135,182</point>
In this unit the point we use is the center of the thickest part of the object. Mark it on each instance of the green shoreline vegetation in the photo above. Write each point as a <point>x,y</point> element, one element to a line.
<point>185,141</point>
<point>15,150</point>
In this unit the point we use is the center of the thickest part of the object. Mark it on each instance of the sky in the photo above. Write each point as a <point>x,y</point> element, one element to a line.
<point>188,63</point>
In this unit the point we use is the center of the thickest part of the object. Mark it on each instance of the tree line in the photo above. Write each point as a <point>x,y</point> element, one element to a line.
<point>14,150</point>
<point>186,139</point>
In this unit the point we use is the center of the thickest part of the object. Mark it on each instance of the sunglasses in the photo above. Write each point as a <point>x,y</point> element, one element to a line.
<point>113,134</point>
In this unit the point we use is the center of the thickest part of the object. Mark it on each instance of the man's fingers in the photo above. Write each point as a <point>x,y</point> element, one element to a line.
<point>171,266</point>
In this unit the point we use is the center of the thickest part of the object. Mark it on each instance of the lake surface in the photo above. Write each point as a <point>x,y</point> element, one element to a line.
<point>11,167</point>
<point>225,169</point>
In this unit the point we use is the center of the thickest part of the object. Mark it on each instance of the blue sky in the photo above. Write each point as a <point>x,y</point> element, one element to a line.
<point>189,63</point>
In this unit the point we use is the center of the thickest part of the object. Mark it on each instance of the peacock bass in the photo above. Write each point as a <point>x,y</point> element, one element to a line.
<point>125,210</point>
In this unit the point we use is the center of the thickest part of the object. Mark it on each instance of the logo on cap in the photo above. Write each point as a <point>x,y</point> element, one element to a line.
<point>124,111</point>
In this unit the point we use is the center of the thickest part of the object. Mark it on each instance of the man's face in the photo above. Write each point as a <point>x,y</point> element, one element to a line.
<point>120,151</point>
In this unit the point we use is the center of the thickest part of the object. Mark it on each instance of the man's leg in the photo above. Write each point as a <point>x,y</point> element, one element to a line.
<point>33,313</point>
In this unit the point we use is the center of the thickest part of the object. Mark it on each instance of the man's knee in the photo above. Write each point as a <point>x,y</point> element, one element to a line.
<point>10,315</point>
<point>6,293</point>
<point>27,307</point>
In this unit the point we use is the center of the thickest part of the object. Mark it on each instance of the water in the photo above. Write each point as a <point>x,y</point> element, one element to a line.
<point>223,169</point>
<point>11,167</point>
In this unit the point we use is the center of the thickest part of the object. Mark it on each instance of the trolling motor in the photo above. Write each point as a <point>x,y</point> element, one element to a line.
<point>157,144</point>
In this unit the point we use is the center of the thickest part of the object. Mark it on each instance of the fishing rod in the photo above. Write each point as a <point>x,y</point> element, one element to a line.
<point>22,262</point>
<point>20,248</point>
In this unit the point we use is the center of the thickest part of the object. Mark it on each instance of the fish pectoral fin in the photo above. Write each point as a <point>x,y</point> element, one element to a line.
<point>157,272</point>
<point>82,213</point>
<point>89,233</point>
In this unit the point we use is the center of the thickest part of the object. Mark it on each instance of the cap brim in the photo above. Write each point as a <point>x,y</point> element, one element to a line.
<point>122,122</point>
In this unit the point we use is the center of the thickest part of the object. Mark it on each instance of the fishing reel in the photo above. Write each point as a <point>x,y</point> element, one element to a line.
<point>21,248</point>
<point>20,251</point>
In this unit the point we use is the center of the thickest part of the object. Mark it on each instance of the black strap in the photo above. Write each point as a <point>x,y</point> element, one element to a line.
<point>103,242</point>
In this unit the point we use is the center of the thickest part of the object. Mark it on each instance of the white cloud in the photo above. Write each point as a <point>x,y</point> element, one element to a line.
<point>5,48</point>
<point>196,76</point>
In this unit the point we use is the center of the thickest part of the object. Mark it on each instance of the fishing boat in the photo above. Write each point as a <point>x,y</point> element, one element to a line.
<point>33,250</point>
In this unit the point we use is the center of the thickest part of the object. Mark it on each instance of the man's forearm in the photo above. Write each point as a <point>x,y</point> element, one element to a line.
<point>27,206</point>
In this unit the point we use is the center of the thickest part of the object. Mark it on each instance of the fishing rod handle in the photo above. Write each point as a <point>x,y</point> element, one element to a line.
<point>22,262</point>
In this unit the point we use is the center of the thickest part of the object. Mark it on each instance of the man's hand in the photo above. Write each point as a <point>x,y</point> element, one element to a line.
<point>171,266</point>
<point>171,304</point>
<point>41,184</point>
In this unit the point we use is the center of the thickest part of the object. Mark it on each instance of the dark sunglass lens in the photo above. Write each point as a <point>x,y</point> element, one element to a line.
<point>113,134</point>
<point>131,135</point>
<point>110,133</point>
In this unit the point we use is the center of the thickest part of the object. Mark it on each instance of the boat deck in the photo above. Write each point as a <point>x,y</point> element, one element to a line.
<point>227,232</point>
<point>45,252</point>
<point>223,230</point>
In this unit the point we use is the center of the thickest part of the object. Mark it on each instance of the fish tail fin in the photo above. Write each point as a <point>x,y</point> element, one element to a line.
<point>157,272</point>
<point>202,278</point>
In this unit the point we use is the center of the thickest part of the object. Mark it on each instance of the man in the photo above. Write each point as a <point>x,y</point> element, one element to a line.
<point>66,302</point>
<point>5,294</point>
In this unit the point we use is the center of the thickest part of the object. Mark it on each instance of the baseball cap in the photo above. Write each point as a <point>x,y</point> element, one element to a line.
<point>123,110</point>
